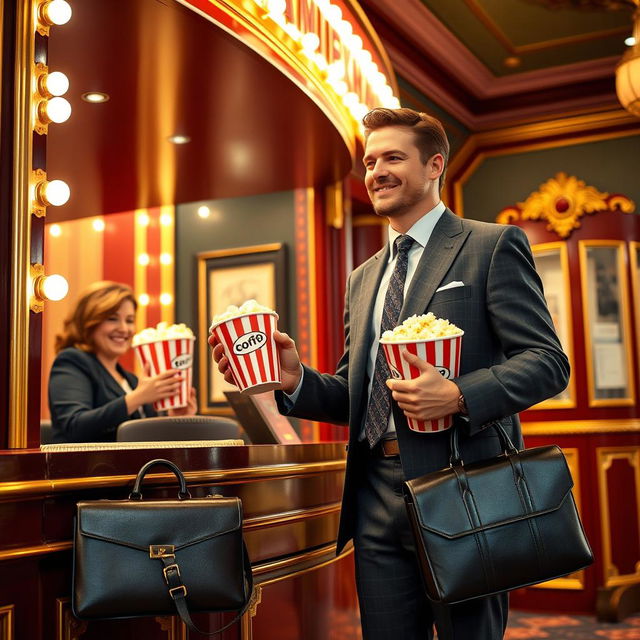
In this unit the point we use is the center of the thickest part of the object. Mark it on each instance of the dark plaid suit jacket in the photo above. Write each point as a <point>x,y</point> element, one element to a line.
<point>511,356</point>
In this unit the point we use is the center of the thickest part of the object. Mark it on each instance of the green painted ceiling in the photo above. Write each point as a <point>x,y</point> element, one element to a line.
<point>539,36</point>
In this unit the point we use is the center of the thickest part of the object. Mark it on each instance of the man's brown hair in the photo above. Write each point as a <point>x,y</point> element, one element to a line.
<point>94,305</point>
<point>430,137</point>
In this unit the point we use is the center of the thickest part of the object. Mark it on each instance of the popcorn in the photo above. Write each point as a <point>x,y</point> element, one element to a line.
<point>247,307</point>
<point>424,327</point>
<point>162,331</point>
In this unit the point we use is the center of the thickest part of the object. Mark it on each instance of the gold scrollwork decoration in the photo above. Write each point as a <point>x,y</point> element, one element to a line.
<point>561,201</point>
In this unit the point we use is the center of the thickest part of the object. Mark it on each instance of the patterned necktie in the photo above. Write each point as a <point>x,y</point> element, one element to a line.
<point>380,401</point>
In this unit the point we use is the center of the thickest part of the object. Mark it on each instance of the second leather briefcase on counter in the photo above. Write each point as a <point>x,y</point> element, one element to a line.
<point>496,525</point>
<point>160,557</point>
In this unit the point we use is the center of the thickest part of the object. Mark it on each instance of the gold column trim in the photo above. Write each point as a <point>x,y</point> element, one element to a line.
<point>167,271</point>
<point>224,476</point>
<point>605,457</point>
<point>574,581</point>
<point>21,227</point>
<point>68,627</point>
<point>572,427</point>
<point>634,260</point>
<point>629,399</point>
<point>570,402</point>
<point>6,614</point>
<point>335,205</point>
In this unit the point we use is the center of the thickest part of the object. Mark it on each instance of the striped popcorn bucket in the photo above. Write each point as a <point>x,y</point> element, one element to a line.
<point>442,353</point>
<point>162,355</point>
<point>249,346</point>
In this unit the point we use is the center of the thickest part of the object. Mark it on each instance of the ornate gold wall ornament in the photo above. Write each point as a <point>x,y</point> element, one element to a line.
<point>562,201</point>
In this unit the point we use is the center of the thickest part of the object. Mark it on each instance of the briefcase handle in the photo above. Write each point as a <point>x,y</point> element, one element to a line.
<point>136,494</point>
<point>507,446</point>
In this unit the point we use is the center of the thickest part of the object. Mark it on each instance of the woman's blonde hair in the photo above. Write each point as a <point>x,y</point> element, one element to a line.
<point>94,305</point>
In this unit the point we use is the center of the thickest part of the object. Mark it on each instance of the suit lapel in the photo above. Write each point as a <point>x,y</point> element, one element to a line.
<point>445,242</point>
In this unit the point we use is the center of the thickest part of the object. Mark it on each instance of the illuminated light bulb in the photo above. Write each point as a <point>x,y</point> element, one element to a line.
<point>323,5</point>
<point>54,83</point>
<point>179,139</point>
<point>143,299</point>
<point>56,12</point>
<point>166,220</point>
<point>334,13</point>
<point>166,299</point>
<point>394,103</point>
<point>321,62</point>
<point>55,230</point>
<point>386,93</point>
<point>143,259</point>
<point>360,111</point>
<point>166,258</point>
<point>276,7</point>
<point>54,287</point>
<point>344,29</point>
<point>350,99</point>
<point>54,193</point>
<point>95,97</point>
<point>55,110</point>
<point>293,31</point>
<point>204,211</point>
<point>143,219</point>
<point>340,87</point>
<point>336,70</point>
<point>98,224</point>
<point>310,42</point>
<point>364,57</point>
<point>378,79</point>
<point>630,41</point>
<point>355,42</point>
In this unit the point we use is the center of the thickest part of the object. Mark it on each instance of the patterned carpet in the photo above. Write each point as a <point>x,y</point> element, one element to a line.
<point>535,626</point>
<point>525,626</point>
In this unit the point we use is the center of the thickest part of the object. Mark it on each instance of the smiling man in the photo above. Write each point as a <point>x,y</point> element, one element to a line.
<point>482,278</point>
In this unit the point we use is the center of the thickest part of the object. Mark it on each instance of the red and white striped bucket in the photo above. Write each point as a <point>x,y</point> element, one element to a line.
<point>249,346</point>
<point>173,353</point>
<point>442,353</point>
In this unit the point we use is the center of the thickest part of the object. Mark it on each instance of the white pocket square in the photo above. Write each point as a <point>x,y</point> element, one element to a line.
<point>451,285</point>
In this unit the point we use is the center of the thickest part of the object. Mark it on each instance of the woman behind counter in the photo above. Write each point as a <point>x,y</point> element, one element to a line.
<point>90,393</point>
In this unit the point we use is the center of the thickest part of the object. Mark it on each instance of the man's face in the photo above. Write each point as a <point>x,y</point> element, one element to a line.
<point>396,179</point>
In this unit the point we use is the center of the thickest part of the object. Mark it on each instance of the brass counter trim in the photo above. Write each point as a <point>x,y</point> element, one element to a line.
<point>259,522</point>
<point>222,476</point>
<point>36,550</point>
<point>6,622</point>
<point>572,427</point>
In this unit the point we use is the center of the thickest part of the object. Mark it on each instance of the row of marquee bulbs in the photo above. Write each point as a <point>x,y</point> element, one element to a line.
<point>50,108</point>
<point>335,71</point>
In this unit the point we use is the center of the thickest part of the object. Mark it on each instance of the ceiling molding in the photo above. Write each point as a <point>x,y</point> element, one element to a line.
<point>450,54</point>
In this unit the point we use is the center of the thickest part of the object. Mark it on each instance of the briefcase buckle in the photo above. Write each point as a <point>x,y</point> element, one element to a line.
<point>162,551</point>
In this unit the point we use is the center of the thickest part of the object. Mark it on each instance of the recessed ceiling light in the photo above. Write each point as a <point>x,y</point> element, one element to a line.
<point>95,97</point>
<point>630,41</point>
<point>179,139</point>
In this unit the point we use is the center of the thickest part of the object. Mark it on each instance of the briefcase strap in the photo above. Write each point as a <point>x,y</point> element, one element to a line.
<point>178,591</point>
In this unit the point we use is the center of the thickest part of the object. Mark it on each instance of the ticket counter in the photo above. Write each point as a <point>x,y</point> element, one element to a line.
<point>291,499</point>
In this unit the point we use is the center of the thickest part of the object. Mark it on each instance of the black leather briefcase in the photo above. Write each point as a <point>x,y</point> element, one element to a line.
<point>160,557</point>
<point>497,524</point>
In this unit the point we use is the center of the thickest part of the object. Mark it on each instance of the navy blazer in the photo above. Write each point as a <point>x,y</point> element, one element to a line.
<point>86,402</point>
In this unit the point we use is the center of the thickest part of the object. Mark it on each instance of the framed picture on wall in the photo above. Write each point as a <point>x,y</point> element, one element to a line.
<point>230,277</point>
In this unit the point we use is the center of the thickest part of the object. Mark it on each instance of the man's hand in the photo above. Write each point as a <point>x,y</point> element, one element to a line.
<point>429,396</point>
<point>290,367</point>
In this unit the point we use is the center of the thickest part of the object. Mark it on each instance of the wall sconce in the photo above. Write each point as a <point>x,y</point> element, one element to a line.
<point>54,287</point>
<point>51,110</point>
<point>52,12</point>
<point>628,71</point>
<point>54,193</point>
